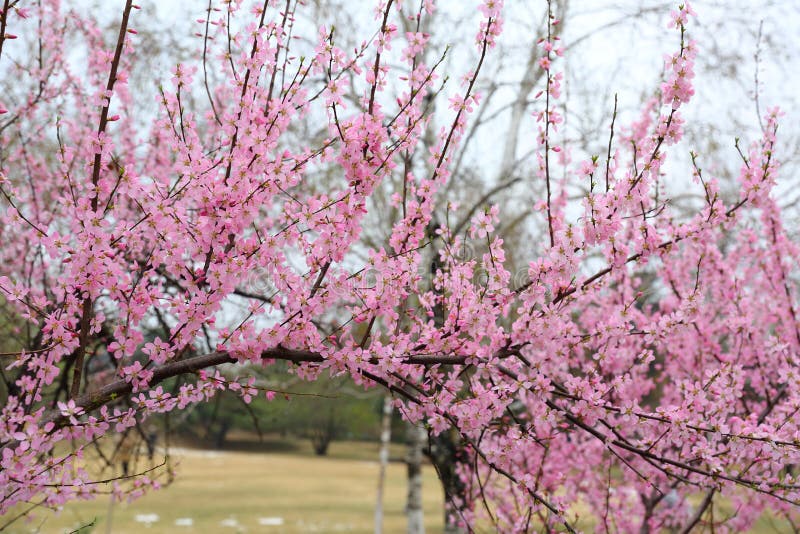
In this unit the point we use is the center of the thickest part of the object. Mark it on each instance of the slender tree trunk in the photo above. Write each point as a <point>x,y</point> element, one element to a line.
<point>386,435</point>
<point>110,516</point>
<point>416,443</point>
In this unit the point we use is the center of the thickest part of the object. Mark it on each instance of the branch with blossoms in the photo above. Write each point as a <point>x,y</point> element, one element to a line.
<point>639,363</point>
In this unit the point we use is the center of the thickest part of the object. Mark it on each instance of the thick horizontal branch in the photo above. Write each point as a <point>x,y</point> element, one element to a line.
<point>120,388</point>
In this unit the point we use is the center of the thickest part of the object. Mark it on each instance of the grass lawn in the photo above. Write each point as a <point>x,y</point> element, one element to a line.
<point>244,492</point>
<point>276,487</point>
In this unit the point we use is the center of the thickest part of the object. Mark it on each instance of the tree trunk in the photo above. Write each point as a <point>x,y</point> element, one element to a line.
<point>221,434</point>
<point>445,453</point>
<point>418,437</point>
<point>445,448</point>
<point>386,434</point>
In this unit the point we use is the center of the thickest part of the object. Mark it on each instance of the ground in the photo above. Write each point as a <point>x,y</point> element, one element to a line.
<point>289,492</point>
<point>275,487</point>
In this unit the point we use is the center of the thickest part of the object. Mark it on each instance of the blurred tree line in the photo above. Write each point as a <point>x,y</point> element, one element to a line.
<point>324,411</point>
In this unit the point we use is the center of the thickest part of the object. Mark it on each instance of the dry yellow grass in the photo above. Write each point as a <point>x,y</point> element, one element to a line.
<point>215,490</point>
<point>230,492</point>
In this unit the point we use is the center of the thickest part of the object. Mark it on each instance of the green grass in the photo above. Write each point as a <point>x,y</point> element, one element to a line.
<point>310,493</point>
